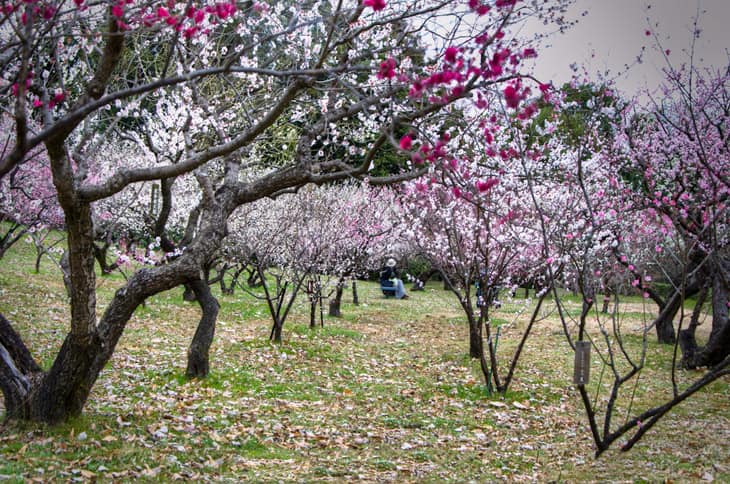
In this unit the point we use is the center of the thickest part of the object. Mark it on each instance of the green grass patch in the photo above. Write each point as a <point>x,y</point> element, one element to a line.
<point>388,392</point>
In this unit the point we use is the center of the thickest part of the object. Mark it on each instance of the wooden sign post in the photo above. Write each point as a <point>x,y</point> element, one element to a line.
<point>582,363</point>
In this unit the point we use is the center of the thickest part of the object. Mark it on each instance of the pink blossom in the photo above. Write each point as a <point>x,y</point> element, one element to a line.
<point>511,96</point>
<point>387,69</point>
<point>406,142</point>
<point>48,12</point>
<point>478,7</point>
<point>261,7</point>
<point>376,5</point>
<point>450,54</point>
<point>118,11</point>
<point>486,185</point>
<point>416,89</point>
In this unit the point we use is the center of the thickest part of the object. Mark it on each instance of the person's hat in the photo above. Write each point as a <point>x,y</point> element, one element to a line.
<point>390,262</point>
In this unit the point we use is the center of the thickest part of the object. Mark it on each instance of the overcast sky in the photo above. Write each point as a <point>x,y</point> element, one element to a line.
<point>611,33</point>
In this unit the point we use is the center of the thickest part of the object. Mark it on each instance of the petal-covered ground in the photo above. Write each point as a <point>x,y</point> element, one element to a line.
<point>385,393</point>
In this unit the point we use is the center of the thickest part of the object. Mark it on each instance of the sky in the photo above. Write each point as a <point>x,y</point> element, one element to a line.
<point>611,33</point>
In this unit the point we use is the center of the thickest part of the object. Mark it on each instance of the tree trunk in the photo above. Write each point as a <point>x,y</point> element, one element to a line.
<point>188,293</point>
<point>336,302</point>
<point>475,338</point>
<point>606,303</point>
<point>276,332</point>
<point>66,271</point>
<point>61,393</point>
<point>355,299</point>
<point>253,279</point>
<point>313,310</point>
<point>664,323</point>
<point>100,253</point>
<point>718,344</point>
<point>198,353</point>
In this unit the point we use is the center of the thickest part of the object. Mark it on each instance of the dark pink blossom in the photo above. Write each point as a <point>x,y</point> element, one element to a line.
<point>450,54</point>
<point>387,69</point>
<point>48,12</point>
<point>511,96</point>
<point>406,142</point>
<point>376,5</point>
<point>118,11</point>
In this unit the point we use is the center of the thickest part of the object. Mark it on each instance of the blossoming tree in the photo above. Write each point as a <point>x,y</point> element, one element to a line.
<point>241,71</point>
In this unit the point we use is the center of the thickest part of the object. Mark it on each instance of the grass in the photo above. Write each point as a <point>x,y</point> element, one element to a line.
<point>386,393</point>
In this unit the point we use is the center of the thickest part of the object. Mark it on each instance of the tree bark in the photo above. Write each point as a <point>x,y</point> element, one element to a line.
<point>60,393</point>
<point>475,338</point>
<point>17,368</point>
<point>313,311</point>
<point>276,332</point>
<point>664,323</point>
<point>188,293</point>
<point>336,302</point>
<point>718,344</point>
<point>355,299</point>
<point>100,253</point>
<point>199,351</point>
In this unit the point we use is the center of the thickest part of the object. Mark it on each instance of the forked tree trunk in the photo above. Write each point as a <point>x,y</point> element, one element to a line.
<point>276,332</point>
<point>61,392</point>
<point>199,351</point>
<point>718,344</point>
<point>664,323</point>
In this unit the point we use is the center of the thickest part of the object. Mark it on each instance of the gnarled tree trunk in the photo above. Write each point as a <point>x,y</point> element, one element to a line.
<point>718,343</point>
<point>198,353</point>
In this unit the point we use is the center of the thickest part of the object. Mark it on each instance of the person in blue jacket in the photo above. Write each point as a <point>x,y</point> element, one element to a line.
<point>389,278</point>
